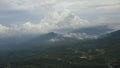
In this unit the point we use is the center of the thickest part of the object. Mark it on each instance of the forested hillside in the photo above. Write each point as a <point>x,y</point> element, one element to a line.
<point>95,53</point>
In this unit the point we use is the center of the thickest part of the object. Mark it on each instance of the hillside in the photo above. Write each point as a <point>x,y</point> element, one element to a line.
<point>95,53</point>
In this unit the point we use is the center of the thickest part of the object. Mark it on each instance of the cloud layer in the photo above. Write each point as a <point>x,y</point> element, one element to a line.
<point>43,16</point>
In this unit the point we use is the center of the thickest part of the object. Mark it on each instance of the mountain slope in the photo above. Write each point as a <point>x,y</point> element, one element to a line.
<point>97,30</point>
<point>95,53</point>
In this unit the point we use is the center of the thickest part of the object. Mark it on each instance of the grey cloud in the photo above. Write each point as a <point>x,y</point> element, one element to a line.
<point>17,17</point>
<point>57,14</point>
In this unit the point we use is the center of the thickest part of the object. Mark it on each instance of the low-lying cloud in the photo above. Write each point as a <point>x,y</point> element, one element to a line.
<point>80,36</point>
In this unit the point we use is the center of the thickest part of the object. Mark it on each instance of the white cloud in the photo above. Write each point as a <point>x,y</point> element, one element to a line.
<point>81,6</point>
<point>60,14</point>
<point>80,36</point>
<point>3,29</point>
<point>56,21</point>
<point>115,27</point>
<point>30,5</point>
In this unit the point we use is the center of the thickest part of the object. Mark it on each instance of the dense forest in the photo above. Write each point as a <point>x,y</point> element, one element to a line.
<point>93,53</point>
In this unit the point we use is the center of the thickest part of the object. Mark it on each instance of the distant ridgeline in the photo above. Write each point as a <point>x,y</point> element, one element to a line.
<point>103,52</point>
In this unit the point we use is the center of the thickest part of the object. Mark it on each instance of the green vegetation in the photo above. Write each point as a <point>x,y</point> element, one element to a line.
<point>98,53</point>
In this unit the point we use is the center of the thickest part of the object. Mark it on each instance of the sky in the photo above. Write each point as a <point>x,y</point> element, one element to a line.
<point>43,16</point>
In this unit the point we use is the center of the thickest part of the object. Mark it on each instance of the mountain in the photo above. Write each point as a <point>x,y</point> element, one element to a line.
<point>76,35</point>
<point>97,30</point>
<point>57,39</point>
<point>45,37</point>
<point>114,35</point>
<point>10,42</point>
<point>111,42</point>
<point>52,39</point>
<point>69,53</point>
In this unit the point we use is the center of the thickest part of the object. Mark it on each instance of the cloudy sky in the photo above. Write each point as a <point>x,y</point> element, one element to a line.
<point>43,16</point>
